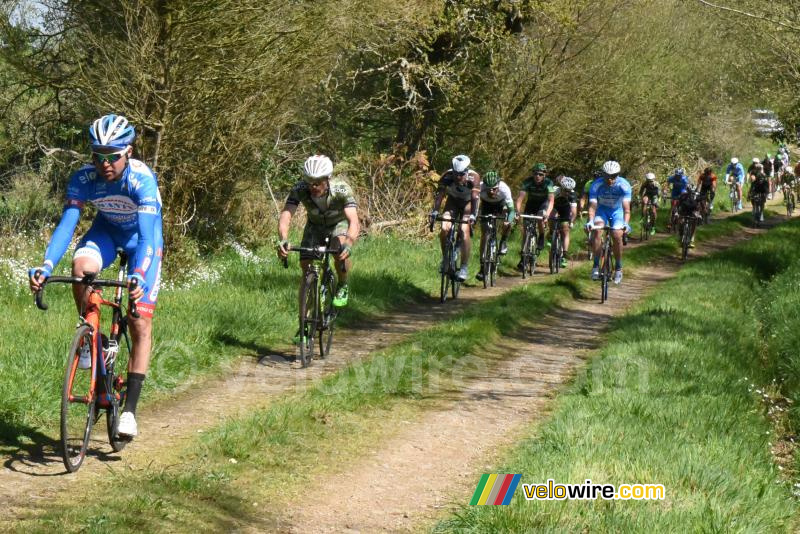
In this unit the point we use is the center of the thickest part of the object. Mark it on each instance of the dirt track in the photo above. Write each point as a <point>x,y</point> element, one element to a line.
<point>434,464</point>
<point>34,474</point>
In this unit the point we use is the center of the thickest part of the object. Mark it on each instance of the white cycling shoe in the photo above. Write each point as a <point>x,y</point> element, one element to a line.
<point>595,273</point>
<point>127,425</point>
<point>618,276</point>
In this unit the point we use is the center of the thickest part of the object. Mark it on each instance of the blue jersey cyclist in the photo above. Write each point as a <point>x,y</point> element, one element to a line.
<point>679,182</point>
<point>734,174</point>
<point>609,205</point>
<point>125,192</point>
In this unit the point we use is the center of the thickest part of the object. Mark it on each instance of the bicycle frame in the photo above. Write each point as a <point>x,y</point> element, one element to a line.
<point>449,278</point>
<point>321,319</point>
<point>531,229</point>
<point>102,362</point>
<point>490,248</point>
<point>90,316</point>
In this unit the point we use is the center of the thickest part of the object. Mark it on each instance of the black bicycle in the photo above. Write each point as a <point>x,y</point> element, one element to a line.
<point>93,385</point>
<point>556,246</point>
<point>648,220</point>
<point>450,259</point>
<point>491,249</point>
<point>530,251</point>
<point>788,199</point>
<point>317,313</point>
<point>687,230</point>
<point>758,200</point>
<point>606,258</point>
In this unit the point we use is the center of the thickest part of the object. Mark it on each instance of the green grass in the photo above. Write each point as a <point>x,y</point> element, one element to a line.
<point>232,305</point>
<point>671,400</point>
<point>286,444</point>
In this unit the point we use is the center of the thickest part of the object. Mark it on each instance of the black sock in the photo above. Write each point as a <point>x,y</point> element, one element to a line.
<point>134,388</point>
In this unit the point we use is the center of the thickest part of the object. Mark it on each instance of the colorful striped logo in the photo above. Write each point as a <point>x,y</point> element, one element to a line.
<point>495,489</point>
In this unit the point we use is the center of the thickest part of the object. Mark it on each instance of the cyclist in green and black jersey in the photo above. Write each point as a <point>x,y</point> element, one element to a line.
<point>538,194</point>
<point>649,193</point>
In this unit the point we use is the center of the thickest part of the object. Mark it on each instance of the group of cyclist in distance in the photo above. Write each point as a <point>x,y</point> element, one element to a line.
<point>555,204</point>
<point>129,218</point>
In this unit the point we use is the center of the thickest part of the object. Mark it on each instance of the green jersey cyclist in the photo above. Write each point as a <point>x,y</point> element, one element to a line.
<point>332,212</point>
<point>538,194</point>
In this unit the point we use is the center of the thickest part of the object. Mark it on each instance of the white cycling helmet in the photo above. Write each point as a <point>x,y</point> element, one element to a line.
<point>734,161</point>
<point>611,167</point>
<point>461,163</point>
<point>650,176</point>
<point>756,160</point>
<point>318,167</point>
<point>567,183</point>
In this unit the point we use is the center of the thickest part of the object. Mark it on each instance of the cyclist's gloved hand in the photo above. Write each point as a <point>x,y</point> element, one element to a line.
<point>283,248</point>
<point>588,226</point>
<point>344,253</point>
<point>35,282</point>
<point>141,287</point>
<point>433,214</point>
<point>628,228</point>
<point>572,225</point>
<point>471,219</point>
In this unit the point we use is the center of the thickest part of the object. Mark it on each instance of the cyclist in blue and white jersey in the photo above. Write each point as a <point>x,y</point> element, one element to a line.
<point>125,192</point>
<point>679,182</point>
<point>734,173</point>
<point>609,204</point>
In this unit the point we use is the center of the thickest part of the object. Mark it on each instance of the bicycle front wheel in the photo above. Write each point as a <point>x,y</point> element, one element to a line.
<point>685,240</point>
<point>77,403</point>
<point>114,385</point>
<point>327,292</point>
<point>486,262</point>
<point>455,283</point>
<point>309,313</point>
<point>605,273</point>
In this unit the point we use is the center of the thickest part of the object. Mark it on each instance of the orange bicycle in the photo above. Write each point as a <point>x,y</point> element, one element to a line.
<point>91,382</point>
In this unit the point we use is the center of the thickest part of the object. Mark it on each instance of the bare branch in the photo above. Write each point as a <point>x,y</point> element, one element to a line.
<point>751,15</point>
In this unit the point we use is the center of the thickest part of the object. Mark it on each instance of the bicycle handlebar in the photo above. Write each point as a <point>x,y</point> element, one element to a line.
<point>88,280</point>
<point>533,217</point>
<point>318,252</point>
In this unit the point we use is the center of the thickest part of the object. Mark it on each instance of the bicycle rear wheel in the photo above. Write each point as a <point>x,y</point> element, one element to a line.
<point>309,312</point>
<point>77,409</point>
<point>328,310</point>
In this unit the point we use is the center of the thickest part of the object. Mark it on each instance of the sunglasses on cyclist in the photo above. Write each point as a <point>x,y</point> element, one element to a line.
<point>112,158</point>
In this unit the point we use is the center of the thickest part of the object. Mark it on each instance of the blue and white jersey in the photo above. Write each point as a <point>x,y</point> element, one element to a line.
<point>130,209</point>
<point>610,197</point>
<point>737,171</point>
<point>679,183</point>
